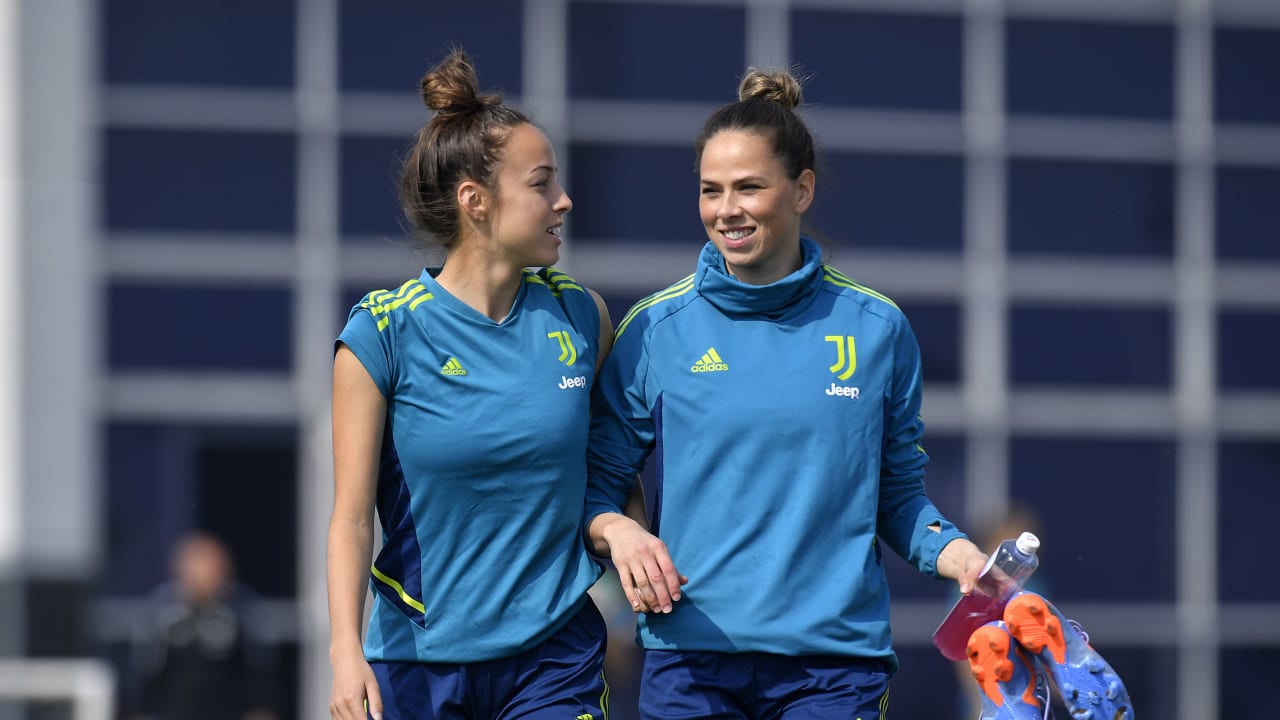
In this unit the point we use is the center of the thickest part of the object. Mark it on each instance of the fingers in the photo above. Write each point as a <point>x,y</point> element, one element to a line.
<point>374,703</point>
<point>629,588</point>
<point>357,697</point>
<point>672,579</point>
<point>655,583</point>
<point>347,707</point>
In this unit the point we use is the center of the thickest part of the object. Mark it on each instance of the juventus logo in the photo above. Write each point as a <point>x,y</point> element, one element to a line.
<point>568,355</point>
<point>846,360</point>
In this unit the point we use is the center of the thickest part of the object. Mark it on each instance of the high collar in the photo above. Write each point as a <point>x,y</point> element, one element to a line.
<point>775,300</point>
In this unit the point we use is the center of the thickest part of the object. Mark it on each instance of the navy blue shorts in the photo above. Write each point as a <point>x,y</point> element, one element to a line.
<point>754,686</point>
<point>561,679</point>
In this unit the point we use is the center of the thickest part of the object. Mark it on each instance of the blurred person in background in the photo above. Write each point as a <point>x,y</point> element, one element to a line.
<point>623,657</point>
<point>460,411</point>
<point>782,401</point>
<point>199,654</point>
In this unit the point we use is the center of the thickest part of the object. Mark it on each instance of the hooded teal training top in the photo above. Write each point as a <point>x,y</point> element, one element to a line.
<point>483,472</point>
<point>784,421</point>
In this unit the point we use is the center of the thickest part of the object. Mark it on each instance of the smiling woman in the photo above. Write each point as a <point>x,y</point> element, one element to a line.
<point>759,577</point>
<point>460,411</point>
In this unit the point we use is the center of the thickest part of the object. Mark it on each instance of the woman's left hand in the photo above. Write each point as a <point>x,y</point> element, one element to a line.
<point>962,561</point>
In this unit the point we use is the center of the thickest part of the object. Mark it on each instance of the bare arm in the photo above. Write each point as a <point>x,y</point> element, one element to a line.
<point>359,411</point>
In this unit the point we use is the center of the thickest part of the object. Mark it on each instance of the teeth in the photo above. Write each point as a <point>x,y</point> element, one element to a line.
<point>737,234</point>
<point>555,231</point>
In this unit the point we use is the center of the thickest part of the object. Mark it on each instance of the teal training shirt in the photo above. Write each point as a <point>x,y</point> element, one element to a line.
<point>785,423</point>
<point>483,471</point>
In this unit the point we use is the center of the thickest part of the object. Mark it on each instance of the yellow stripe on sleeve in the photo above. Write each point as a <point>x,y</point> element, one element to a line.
<point>674,291</point>
<point>836,277</point>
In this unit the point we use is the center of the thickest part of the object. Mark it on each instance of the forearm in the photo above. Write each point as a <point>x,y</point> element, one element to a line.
<point>350,552</point>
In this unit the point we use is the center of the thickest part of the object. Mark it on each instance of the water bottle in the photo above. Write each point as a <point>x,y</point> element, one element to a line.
<point>1007,568</point>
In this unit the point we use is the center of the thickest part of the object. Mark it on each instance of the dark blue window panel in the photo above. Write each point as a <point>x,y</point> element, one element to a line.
<point>1089,69</point>
<point>370,182</point>
<point>1090,208</point>
<point>607,181</point>
<point>1246,63</point>
<point>620,302</point>
<point>1247,497</point>
<point>347,299</point>
<point>1076,346</point>
<point>199,328</point>
<point>912,62</point>
<point>231,43</point>
<point>893,202</point>
<point>1094,497</point>
<point>1249,350</point>
<point>389,46</point>
<point>937,329</point>
<point>667,52</point>
<point>944,482</point>
<point>1244,670</point>
<point>205,181</point>
<point>1248,213</point>
<point>164,480</point>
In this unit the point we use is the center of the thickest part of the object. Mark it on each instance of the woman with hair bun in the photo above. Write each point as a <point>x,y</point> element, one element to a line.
<point>460,412</point>
<point>781,401</point>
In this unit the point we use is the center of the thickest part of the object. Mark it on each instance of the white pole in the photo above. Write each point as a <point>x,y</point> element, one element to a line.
<point>10,262</point>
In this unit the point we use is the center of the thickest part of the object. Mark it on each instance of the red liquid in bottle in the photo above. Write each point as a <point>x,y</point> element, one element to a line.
<point>1007,568</point>
<point>971,612</point>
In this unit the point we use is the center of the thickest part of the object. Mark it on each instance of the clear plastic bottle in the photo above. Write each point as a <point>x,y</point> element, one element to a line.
<point>1007,568</point>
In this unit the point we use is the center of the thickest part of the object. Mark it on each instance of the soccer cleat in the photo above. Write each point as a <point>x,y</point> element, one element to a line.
<point>1010,685</point>
<point>1090,689</point>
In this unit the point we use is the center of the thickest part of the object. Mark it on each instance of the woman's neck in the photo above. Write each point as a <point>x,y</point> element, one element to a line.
<point>474,278</point>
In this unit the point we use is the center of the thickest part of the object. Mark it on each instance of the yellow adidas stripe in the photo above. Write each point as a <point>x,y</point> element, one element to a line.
<point>382,302</point>
<point>404,596</point>
<point>715,356</point>
<point>561,279</point>
<point>399,300</point>
<point>556,284</point>
<point>674,291</point>
<point>377,297</point>
<point>835,277</point>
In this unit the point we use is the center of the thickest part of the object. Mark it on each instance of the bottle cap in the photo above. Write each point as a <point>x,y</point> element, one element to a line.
<point>1028,543</point>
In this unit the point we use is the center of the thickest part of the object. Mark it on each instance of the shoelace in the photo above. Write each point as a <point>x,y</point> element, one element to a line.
<point>1079,628</point>
<point>1042,676</point>
<point>1042,692</point>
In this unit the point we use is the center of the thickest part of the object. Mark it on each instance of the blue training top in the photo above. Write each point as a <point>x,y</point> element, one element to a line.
<point>483,472</point>
<point>784,421</point>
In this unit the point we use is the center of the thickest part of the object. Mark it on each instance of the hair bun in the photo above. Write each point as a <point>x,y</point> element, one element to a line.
<point>780,86</point>
<point>453,88</point>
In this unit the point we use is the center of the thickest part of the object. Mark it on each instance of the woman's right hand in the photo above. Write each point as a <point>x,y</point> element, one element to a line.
<point>648,577</point>
<point>354,685</point>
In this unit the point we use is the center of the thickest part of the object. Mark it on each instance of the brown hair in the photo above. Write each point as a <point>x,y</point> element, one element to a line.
<point>462,141</point>
<point>766,105</point>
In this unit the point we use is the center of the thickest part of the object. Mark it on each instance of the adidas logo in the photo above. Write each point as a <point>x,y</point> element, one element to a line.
<point>710,362</point>
<point>453,367</point>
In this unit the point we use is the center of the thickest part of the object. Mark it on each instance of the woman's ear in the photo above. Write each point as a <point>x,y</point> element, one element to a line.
<point>473,200</point>
<point>804,190</point>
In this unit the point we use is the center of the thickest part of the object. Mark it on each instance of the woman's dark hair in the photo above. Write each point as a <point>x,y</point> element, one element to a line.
<point>462,141</point>
<point>766,105</point>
